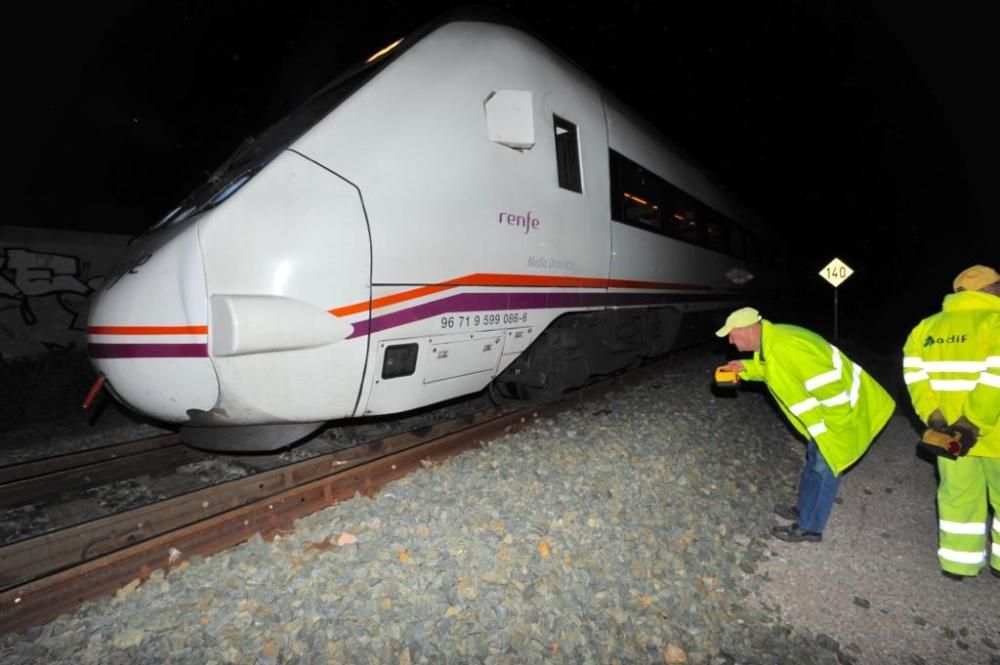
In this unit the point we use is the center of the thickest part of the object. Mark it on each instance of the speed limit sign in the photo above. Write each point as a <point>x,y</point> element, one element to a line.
<point>836,272</point>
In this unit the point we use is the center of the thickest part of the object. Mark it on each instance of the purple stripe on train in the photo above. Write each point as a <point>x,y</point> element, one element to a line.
<point>147,350</point>
<point>478,302</point>
<point>462,302</point>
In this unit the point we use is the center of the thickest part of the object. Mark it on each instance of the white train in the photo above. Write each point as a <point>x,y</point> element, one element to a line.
<point>465,207</point>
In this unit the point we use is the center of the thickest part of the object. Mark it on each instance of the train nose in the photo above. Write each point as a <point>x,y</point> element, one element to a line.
<point>148,328</point>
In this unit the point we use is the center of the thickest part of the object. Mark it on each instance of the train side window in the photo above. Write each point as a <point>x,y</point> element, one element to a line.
<point>718,232</point>
<point>635,194</point>
<point>643,199</point>
<point>567,154</point>
<point>642,211</point>
<point>685,220</point>
<point>686,225</point>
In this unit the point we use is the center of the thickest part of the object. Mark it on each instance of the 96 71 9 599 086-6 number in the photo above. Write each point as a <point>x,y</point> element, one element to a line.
<point>462,321</point>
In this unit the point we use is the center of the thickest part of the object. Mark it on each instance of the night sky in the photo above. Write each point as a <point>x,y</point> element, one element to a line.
<point>862,128</point>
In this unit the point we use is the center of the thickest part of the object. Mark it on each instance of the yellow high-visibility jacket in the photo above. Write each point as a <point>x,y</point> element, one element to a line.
<point>951,362</point>
<point>825,395</point>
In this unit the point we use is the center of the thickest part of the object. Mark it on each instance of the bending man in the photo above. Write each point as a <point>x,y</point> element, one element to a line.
<point>830,400</point>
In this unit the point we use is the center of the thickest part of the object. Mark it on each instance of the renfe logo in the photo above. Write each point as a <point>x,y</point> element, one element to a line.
<point>525,220</point>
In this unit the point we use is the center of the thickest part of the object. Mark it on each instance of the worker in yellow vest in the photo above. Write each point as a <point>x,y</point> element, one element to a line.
<point>837,406</point>
<point>951,366</point>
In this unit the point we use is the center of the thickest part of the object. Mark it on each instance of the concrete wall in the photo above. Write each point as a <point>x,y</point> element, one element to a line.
<point>46,278</point>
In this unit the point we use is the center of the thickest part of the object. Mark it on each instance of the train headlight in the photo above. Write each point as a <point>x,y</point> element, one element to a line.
<point>399,360</point>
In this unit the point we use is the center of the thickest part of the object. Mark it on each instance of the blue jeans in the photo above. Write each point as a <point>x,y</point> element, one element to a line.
<point>817,490</point>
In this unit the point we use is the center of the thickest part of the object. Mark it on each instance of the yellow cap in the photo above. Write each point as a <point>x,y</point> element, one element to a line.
<point>746,316</point>
<point>975,278</point>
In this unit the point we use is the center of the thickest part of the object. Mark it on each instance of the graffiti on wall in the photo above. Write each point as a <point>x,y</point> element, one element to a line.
<point>43,300</point>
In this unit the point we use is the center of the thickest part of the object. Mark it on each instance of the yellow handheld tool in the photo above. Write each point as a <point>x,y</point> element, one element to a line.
<point>726,378</point>
<point>942,443</point>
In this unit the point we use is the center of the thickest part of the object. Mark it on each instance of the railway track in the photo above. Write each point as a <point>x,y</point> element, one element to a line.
<point>52,573</point>
<point>44,480</point>
<point>48,494</point>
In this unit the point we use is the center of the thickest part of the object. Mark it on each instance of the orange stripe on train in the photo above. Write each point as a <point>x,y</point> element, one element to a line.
<point>500,279</point>
<point>147,330</point>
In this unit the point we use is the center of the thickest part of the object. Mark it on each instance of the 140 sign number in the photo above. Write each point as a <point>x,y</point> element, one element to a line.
<point>835,272</point>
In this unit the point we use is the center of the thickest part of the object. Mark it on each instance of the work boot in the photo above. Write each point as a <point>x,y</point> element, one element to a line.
<point>994,572</point>
<point>786,512</point>
<point>954,577</point>
<point>795,534</point>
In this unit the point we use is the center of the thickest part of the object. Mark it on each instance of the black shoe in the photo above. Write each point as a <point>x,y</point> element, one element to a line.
<point>790,513</point>
<point>994,572</point>
<point>954,577</point>
<point>795,534</point>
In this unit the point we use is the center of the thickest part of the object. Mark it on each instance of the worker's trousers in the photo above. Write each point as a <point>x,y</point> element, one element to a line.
<point>966,485</point>
<point>817,490</point>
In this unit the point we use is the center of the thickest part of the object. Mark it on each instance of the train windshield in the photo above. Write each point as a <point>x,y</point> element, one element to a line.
<point>256,151</point>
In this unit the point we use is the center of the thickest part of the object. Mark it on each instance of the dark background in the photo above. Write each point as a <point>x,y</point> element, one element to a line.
<point>861,128</point>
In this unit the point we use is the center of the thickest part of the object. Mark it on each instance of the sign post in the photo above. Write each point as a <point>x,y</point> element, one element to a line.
<point>835,272</point>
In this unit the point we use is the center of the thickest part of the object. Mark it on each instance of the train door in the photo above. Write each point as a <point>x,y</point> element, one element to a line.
<point>572,120</point>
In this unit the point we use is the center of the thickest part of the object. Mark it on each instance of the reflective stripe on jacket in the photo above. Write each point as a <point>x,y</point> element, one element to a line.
<point>825,395</point>
<point>951,362</point>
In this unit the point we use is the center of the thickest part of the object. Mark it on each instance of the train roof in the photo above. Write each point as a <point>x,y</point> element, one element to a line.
<point>495,15</point>
<point>255,152</point>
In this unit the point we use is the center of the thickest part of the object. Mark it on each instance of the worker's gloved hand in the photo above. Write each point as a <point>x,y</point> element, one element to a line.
<point>966,433</point>
<point>937,422</point>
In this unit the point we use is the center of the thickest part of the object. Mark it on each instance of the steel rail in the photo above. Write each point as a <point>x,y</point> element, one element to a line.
<point>58,463</point>
<point>154,460</point>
